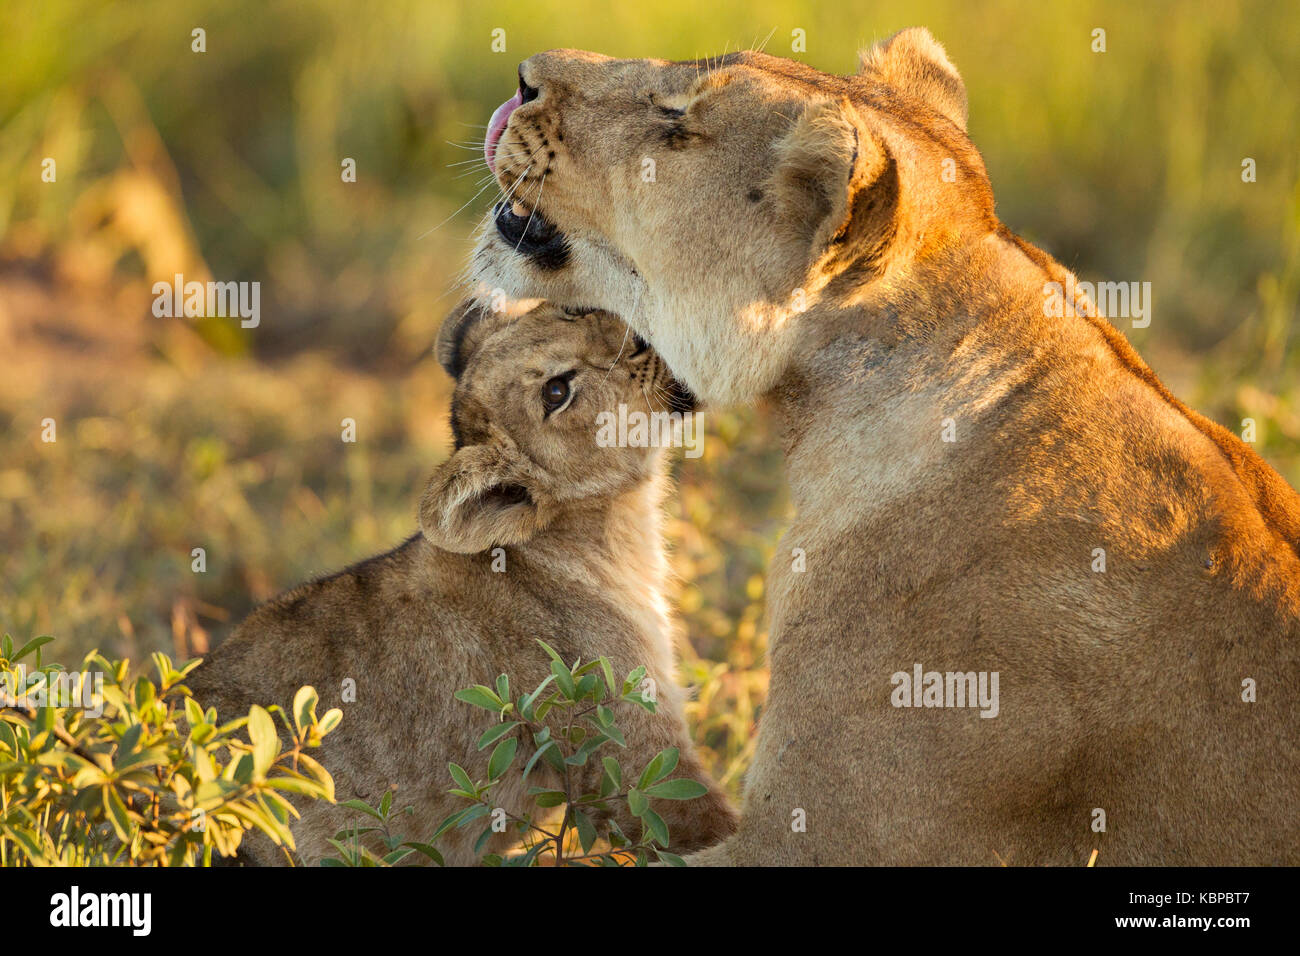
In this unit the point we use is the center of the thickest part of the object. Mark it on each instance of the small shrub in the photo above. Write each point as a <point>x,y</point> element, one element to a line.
<point>348,842</point>
<point>564,725</point>
<point>113,771</point>
<point>566,721</point>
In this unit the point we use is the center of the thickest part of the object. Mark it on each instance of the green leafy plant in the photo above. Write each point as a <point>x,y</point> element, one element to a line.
<point>137,772</point>
<point>567,721</point>
<point>353,853</point>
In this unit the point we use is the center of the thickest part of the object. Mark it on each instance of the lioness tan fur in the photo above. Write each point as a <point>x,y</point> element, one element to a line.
<point>987,477</point>
<point>581,565</point>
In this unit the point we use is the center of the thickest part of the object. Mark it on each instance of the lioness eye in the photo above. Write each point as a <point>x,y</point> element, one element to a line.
<point>670,111</point>
<point>555,392</point>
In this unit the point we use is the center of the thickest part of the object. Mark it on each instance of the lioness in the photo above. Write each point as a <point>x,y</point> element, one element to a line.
<point>989,482</point>
<point>581,565</point>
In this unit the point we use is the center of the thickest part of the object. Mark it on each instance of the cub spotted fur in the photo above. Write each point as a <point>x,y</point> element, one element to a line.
<point>829,242</point>
<point>585,571</point>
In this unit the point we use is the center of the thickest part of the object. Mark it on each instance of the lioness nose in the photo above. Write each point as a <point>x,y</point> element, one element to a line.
<point>555,73</point>
<point>526,93</point>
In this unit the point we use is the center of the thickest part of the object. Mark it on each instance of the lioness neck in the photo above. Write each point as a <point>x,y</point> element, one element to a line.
<point>874,373</point>
<point>902,383</point>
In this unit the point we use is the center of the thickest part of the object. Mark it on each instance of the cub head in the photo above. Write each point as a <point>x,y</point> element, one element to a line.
<point>716,204</point>
<point>534,416</point>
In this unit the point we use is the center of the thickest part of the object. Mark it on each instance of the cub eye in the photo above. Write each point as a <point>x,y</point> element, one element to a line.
<point>555,392</point>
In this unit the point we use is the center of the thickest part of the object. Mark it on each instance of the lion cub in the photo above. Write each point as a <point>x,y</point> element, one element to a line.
<point>530,530</point>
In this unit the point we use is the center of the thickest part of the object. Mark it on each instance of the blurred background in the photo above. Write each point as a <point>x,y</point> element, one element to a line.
<point>175,434</point>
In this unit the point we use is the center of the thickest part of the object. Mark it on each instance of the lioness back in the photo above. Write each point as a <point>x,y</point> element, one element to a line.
<point>1030,605</point>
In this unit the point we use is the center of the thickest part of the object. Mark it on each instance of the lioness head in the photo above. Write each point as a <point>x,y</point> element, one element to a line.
<point>712,203</point>
<point>531,416</point>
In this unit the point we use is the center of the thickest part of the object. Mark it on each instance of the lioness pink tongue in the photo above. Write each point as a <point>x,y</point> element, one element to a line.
<point>497,126</point>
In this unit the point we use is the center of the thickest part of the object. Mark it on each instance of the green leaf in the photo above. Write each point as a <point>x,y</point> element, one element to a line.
<point>551,651</point>
<point>663,763</point>
<point>555,759</point>
<point>502,757</point>
<point>563,679</point>
<point>549,798</point>
<point>613,733</point>
<point>451,821</point>
<point>545,706</point>
<point>144,692</point>
<point>149,757</point>
<point>461,777</point>
<point>503,687</point>
<point>526,701</point>
<point>313,769</point>
<point>188,666</point>
<point>362,807</point>
<point>536,755</point>
<point>28,843</point>
<point>427,850</point>
<point>672,859</point>
<point>266,744</point>
<point>166,672</point>
<point>633,679</point>
<point>130,740</point>
<point>637,802</point>
<point>210,794</point>
<point>117,813</point>
<point>589,746</point>
<point>244,767</point>
<point>680,789</point>
<point>614,771</point>
<point>480,696</point>
<point>588,686</point>
<point>304,708</point>
<point>608,670</point>
<point>482,839</point>
<point>655,824</point>
<point>36,643</point>
<point>492,734</point>
<point>473,813</point>
<point>332,718</point>
<point>586,830</point>
<point>299,785</point>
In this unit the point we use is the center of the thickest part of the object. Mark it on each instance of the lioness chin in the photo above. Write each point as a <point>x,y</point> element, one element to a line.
<point>988,480</point>
<point>532,529</point>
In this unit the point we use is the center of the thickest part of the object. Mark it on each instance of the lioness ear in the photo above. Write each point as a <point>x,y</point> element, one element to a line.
<point>827,159</point>
<point>913,62</point>
<point>479,498</point>
<point>460,332</point>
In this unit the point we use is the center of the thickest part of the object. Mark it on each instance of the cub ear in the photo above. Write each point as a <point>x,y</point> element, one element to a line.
<point>825,164</point>
<point>461,331</point>
<point>481,497</point>
<point>913,62</point>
